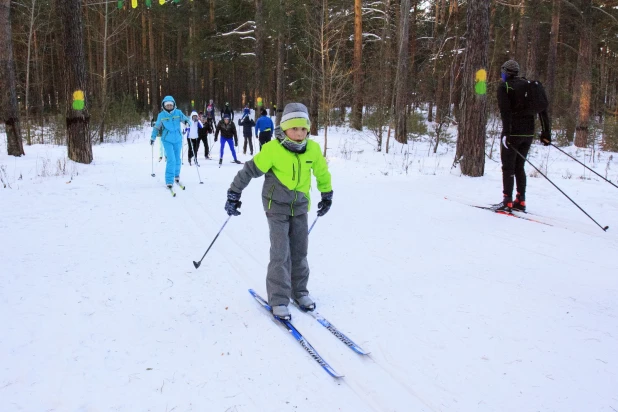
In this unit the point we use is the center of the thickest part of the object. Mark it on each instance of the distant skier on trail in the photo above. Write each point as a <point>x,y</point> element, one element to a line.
<point>287,164</point>
<point>228,132</point>
<point>247,124</point>
<point>517,133</point>
<point>168,125</point>
<point>264,128</point>
<point>202,135</point>
<point>210,114</point>
<point>227,110</point>
<point>193,138</point>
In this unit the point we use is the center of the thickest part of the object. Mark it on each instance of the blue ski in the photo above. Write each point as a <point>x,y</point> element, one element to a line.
<point>333,329</point>
<point>299,337</point>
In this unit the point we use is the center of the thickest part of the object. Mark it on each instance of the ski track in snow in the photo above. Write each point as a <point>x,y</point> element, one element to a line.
<point>462,310</point>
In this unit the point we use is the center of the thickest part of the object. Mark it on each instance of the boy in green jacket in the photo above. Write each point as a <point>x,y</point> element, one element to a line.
<point>287,162</point>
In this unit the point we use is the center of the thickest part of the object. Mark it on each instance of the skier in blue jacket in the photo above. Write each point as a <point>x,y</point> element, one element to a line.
<point>168,125</point>
<point>264,128</point>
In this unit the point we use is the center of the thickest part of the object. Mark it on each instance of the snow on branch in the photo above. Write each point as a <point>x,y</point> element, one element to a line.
<point>242,33</point>
<point>371,10</point>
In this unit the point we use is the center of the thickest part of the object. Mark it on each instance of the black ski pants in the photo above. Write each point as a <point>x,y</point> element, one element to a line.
<point>513,165</point>
<point>265,138</point>
<point>203,138</point>
<point>248,139</point>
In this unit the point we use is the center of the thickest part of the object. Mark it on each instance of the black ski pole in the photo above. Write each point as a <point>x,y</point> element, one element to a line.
<point>314,222</point>
<point>584,165</point>
<point>549,180</point>
<point>197,264</point>
<point>152,160</point>
<point>197,166</point>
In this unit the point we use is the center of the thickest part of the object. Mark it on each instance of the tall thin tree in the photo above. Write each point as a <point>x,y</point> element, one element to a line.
<point>8,95</point>
<point>473,120</point>
<point>77,117</point>
<point>553,51</point>
<point>401,79</point>
<point>357,105</point>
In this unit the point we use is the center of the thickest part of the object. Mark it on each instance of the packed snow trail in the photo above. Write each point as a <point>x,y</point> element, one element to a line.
<point>462,310</point>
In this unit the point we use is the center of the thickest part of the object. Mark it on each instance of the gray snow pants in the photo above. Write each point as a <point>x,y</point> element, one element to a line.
<point>288,270</point>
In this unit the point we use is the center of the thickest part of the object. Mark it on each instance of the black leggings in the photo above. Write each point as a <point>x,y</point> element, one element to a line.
<point>513,165</point>
<point>206,148</point>
<point>265,138</point>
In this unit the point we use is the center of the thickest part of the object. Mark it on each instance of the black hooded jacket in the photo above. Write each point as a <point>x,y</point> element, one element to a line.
<point>511,101</point>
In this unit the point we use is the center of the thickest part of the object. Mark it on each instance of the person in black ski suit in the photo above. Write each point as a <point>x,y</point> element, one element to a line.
<point>517,135</point>
<point>227,110</point>
<point>247,124</point>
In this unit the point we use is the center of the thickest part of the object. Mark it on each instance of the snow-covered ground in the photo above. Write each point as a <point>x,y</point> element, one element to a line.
<point>463,310</point>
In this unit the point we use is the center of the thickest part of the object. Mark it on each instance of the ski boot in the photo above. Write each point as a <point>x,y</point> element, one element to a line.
<point>305,303</point>
<point>505,206</point>
<point>220,162</point>
<point>237,161</point>
<point>519,204</point>
<point>282,312</point>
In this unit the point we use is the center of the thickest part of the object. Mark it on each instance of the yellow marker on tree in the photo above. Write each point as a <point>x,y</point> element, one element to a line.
<point>78,100</point>
<point>162,2</point>
<point>480,82</point>
<point>134,4</point>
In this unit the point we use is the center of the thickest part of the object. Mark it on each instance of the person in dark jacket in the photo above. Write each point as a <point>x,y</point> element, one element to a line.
<point>228,132</point>
<point>247,124</point>
<point>517,135</point>
<point>264,128</point>
<point>202,135</point>
<point>227,110</point>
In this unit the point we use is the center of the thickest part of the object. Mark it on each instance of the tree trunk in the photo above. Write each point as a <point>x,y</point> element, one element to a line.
<point>103,101</point>
<point>357,105</point>
<point>401,133</point>
<point>471,129</point>
<point>584,84</point>
<point>8,96</point>
<point>260,26</point>
<point>154,87</point>
<point>553,51</point>
<point>280,64</point>
<point>77,117</point>
<point>534,35</point>
<point>314,110</point>
<point>521,54</point>
<point>27,97</point>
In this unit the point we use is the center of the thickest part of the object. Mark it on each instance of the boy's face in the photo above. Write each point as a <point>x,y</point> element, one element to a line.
<point>298,134</point>
<point>194,118</point>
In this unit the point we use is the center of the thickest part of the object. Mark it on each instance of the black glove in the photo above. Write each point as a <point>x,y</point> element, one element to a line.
<point>216,138</point>
<point>545,138</point>
<point>326,203</point>
<point>151,142</point>
<point>233,203</point>
<point>236,142</point>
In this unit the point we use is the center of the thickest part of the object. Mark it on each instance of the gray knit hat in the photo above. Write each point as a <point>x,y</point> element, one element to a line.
<point>295,115</point>
<point>510,67</point>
